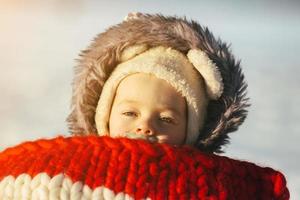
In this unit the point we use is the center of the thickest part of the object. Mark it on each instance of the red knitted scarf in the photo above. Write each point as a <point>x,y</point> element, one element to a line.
<point>90,167</point>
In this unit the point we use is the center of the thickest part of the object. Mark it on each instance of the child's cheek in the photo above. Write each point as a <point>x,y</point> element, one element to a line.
<point>119,128</point>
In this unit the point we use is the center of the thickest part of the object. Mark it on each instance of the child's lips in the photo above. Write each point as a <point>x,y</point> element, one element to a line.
<point>141,136</point>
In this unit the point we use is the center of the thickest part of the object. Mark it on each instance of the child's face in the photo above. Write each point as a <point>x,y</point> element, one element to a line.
<point>149,106</point>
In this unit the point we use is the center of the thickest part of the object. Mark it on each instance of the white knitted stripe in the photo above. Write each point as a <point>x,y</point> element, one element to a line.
<point>43,187</point>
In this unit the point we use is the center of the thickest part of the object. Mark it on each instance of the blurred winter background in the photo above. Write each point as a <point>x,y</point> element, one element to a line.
<point>40,40</point>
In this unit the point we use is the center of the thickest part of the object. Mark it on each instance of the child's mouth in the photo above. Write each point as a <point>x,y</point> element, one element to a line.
<point>141,136</point>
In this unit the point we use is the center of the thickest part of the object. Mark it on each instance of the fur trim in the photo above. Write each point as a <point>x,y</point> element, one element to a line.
<point>133,15</point>
<point>100,58</point>
<point>169,65</point>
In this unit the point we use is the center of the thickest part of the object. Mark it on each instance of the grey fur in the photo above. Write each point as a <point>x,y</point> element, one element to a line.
<point>97,62</point>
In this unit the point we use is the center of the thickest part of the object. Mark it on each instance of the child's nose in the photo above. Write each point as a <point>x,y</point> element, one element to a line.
<point>144,128</point>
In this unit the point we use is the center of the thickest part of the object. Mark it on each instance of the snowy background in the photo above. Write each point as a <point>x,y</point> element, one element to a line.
<point>40,41</point>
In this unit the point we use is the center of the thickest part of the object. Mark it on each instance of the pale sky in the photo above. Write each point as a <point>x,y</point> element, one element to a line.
<point>40,41</point>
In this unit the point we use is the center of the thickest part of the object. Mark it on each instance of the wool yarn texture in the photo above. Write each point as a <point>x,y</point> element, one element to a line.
<point>91,167</point>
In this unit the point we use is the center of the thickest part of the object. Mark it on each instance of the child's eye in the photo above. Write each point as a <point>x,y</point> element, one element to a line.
<point>129,114</point>
<point>168,120</point>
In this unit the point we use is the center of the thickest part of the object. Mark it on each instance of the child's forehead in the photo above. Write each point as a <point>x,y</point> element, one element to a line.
<point>145,83</point>
<point>142,88</point>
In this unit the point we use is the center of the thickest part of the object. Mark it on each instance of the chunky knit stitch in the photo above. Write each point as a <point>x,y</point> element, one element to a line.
<point>90,167</point>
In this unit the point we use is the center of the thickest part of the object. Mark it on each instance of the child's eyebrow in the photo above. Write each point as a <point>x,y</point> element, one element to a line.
<point>127,101</point>
<point>172,109</point>
<point>164,107</point>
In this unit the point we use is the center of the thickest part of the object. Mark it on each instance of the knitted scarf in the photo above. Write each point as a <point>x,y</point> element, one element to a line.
<point>90,167</point>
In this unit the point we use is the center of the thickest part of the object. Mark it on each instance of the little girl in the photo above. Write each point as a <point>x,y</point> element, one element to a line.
<point>159,78</point>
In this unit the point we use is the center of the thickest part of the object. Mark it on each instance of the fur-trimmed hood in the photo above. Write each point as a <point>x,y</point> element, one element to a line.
<point>99,59</point>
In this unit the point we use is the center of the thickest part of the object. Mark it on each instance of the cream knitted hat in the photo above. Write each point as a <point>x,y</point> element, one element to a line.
<point>194,76</point>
